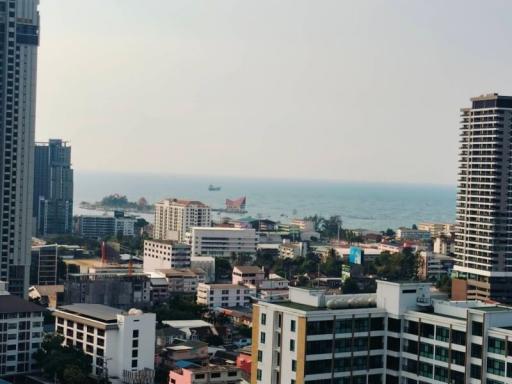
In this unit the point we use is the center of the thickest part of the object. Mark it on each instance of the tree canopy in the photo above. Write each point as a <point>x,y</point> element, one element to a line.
<point>68,364</point>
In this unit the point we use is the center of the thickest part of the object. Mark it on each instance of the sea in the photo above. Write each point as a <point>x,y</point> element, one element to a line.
<point>373,206</point>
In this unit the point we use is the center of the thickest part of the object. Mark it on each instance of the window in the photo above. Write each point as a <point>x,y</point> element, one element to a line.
<point>135,353</point>
<point>262,337</point>
<point>496,367</point>
<point>292,325</point>
<point>135,333</point>
<point>263,319</point>
<point>476,328</point>
<point>476,350</point>
<point>496,346</point>
<point>294,365</point>
<point>134,363</point>
<point>135,343</point>
<point>292,345</point>
<point>260,356</point>
<point>258,374</point>
<point>476,371</point>
<point>442,334</point>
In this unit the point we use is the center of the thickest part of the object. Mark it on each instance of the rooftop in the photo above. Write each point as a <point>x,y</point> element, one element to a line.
<point>248,268</point>
<point>15,304</point>
<point>94,311</point>
<point>183,202</point>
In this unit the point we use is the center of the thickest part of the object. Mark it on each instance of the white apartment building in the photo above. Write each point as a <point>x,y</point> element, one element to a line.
<point>223,242</point>
<point>225,295</point>
<point>21,333</point>
<point>175,217</point>
<point>165,254</point>
<point>121,344</point>
<point>400,335</point>
<point>434,265</point>
<point>184,280</point>
<point>125,226</point>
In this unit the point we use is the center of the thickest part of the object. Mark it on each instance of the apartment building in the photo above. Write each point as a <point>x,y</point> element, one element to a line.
<point>184,280</point>
<point>402,334</point>
<point>225,295</point>
<point>482,243</point>
<point>175,217</point>
<point>434,265</point>
<point>223,242</point>
<point>165,254</point>
<point>102,226</point>
<point>121,344</point>
<point>21,333</point>
<point>43,266</point>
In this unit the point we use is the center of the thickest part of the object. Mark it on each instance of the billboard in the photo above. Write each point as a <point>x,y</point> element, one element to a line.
<point>355,255</point>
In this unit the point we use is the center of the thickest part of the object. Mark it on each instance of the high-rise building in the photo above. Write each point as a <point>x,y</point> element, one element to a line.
<point>19,40</point>
<point>175,217</point>
<point>53,188</point>
<point>402,334</point>
<point>483,244</point>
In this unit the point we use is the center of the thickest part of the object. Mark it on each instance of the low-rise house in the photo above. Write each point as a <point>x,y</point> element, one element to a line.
<point>193,329</point>
<point>273,288</point>
<point>225,295</point>
<point>167,335</point>
<point>208,374</point>
<point>189,350</point>
<point>120,343</point>
<point>247,274</point>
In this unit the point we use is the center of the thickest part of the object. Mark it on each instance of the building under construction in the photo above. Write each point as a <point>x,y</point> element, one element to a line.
<point>116,289</point>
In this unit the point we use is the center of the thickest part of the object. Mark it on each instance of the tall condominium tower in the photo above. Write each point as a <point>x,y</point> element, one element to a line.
<point>19,39</point>
<point>175,217</point>
<point>483,245</point>
<point>53,188</point>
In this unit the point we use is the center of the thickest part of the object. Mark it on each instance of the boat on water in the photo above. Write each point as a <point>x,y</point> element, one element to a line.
<point>213,188</point>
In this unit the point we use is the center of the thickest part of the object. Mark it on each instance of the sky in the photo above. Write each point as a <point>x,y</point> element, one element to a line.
<point>312,89</point>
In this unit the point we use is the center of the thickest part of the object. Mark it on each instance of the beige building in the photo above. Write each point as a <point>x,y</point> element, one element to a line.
<point>175,217</point>
<point>437,229</point>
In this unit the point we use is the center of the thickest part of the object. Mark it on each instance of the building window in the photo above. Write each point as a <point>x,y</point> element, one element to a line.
<point>260,356</point>
<point>292,345</point>
<point>134,363</point>
<point>135,333</point>
<point>496,367</point>
<point>135,353</point>
<point>263,319</point>
<point>476,328</point>
<point>258,374</point>
<point>292,325</point>
<point>262,337</point>
<point>294,365</point>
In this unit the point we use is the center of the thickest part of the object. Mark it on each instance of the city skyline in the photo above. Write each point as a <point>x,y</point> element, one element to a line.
<point>376,87</point>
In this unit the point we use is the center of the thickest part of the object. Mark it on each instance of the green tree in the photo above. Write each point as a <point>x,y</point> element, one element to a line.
<point>223,269</point>
<point>54,358</point>
<point>72,374</point>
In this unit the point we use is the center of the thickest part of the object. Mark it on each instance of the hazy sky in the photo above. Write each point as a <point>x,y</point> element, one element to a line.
<point>349,90</point>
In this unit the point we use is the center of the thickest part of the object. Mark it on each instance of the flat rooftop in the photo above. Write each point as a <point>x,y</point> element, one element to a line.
<point>15,304</point>
<point>98,312</point>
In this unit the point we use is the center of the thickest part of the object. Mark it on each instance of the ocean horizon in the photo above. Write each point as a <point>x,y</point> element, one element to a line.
<point>369,205</point>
